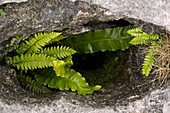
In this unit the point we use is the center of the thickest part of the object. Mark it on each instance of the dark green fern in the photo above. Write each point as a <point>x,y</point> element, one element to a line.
<point>32,85</point>
<point>110,39</point>
<point>34,55</point>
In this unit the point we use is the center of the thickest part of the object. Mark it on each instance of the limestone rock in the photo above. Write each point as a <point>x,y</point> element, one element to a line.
<point>11,1</point>
<point>49,15</point>
<point>80,16</point>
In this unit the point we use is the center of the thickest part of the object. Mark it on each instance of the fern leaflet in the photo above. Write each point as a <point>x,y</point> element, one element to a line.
<point>59,52</point>
<point>31,61</point>
<point>37,42</point>
<point>148,62</point>
<point>135,32</point>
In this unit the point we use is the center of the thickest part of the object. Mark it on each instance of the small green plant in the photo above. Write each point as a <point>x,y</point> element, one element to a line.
<point>151,40</point>
<point>2,13</point>
<point>42,66</point>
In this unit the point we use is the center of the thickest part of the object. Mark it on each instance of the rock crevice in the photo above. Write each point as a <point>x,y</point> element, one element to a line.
<point>26,17</point>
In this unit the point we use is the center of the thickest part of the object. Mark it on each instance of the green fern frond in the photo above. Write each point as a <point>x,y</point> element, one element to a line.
<point>73,80</point>
<point>110,39</point>
<point>58,60</point>
<point>138,40</point>
<point>31,61</point>
<point>59,52</point>
<point>141,37</point>
<point>33,85</point>
<point>37,42</point>
<point>148,62</point>
<point>135,32</point>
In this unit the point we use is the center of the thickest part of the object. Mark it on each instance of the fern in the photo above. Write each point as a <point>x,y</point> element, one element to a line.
<point>33,56</point>
<point>31,61</point>
<point>37,42</point>
<point>73,80</point>
<point>33,85</point>
<point>148,62</point>
<point>59,52</point>
<point>141,37</point>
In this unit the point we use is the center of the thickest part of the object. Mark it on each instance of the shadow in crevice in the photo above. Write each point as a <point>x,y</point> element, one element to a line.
<point>103,68</point>
<point>119,74</point>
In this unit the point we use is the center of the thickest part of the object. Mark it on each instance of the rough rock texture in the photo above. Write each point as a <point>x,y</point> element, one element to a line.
<point>152,11</point>
<point>80,16</point>
<point>137,95</point>
<point>148,104</point>
<point>11,1</point>
<point>48,15</point>
<point>15,100</point>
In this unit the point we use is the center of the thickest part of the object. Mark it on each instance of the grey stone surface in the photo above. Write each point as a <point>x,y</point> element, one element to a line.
<point>149,104</point>
<point>11,1</point>
<point>81,16</point>
<point>151,11</point>
<point>15,100</point>
<point>49,15</point>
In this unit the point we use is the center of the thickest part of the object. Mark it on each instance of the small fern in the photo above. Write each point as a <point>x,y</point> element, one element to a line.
<point>141,37</point>
<point>33,55</point>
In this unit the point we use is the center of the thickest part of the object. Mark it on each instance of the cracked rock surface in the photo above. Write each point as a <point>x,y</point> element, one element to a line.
<point>26,17</point>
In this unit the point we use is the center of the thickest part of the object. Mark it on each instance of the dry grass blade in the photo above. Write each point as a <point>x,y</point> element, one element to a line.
<point>162,62</point>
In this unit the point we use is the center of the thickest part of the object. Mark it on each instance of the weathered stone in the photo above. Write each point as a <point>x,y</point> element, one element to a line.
<point>81,16</point>
<point>49,15</point>
<point>11,1</point>
<point>136,95</point>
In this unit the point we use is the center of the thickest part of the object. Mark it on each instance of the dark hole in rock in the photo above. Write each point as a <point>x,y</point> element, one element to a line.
<point>96,25</point>
<point>103,68</point>
<point>119,74</point>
